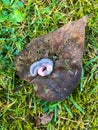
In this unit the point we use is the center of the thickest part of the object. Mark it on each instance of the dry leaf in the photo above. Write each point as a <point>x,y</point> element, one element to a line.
<point>44,119</point>
<point>65,47</point>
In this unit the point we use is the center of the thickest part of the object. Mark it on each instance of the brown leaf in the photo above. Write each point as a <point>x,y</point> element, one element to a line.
<point>37,120</point>
<point>46,118</point>
<point>65,47</point>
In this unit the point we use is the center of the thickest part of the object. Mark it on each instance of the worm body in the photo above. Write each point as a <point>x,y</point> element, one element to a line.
<point>42,67</point>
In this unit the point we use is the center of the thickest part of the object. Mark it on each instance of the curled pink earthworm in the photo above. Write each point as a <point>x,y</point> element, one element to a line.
<point>42,67</point>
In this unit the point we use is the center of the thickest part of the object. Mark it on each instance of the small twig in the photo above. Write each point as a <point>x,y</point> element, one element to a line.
<point>22,86</point>
<point>19,88</point>
<point>64,118</point>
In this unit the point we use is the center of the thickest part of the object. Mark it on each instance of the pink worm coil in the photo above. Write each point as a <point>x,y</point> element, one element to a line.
<point>42,67</point>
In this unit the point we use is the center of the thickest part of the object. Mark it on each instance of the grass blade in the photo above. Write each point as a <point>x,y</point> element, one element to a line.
<point>68,110</point>
<point>77,106</point>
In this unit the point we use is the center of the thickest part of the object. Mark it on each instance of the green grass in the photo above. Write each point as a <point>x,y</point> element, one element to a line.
<point>20,22</point>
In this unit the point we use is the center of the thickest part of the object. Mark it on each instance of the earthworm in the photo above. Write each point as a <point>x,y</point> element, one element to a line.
<point>42,67</point>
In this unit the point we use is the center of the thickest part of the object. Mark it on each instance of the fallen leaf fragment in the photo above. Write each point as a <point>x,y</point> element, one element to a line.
<point>65,48</point>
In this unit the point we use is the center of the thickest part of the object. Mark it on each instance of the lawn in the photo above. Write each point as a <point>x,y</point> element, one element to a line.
<point>20,22</point>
